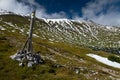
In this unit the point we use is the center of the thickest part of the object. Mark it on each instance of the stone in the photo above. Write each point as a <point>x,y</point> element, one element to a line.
<point>21,64</point>
<point>30,63</point>
<point>57,65</point>
<point>27,58</point>
<point>77,71</point>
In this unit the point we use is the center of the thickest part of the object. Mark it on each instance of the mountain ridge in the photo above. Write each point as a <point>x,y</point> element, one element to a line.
<point>64,45</point>
<point>79,32</point>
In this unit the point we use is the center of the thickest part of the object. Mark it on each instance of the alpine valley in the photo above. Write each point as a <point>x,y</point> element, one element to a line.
<point>67,46</point>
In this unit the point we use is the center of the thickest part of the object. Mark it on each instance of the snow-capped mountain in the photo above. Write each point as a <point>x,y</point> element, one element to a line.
<point>76,32</point>
<point>64,44</point>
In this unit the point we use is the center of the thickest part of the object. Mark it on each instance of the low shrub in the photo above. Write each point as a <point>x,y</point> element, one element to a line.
<point>114,58</point>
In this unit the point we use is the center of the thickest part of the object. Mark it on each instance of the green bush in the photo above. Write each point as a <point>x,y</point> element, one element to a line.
<point>114,58</point>
<point>51,71</point>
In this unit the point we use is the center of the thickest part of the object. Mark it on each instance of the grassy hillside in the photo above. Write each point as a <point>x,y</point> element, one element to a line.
<point>63,61</point>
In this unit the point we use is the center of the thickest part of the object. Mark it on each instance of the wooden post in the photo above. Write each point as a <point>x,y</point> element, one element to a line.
<point>30,48</point>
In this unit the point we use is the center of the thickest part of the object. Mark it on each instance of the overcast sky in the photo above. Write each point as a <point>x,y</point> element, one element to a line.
<point>105,12</point>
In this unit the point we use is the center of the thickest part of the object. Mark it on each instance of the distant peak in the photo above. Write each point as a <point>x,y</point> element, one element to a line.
<point>61,19</point>
<point>4,12</point>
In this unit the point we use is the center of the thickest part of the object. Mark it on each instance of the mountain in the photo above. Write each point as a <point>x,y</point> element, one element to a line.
<point>85,33</point>
<point>5,12</point>
<point>64,45</point>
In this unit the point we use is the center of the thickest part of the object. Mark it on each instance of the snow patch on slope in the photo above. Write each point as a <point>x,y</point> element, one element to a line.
<point>104,60</point>
<point>2,28</point>
<point>62,22</point>
<point>35,35</point>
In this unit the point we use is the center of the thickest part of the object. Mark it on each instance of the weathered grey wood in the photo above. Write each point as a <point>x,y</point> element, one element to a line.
<point>29,48</point>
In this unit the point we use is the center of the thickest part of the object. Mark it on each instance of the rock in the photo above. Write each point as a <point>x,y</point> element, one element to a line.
<point>96,79</point>
<point>57,65</point>
<point>30,63</point>
<point>21,64</point>
<point>27,58</point>
<point>77,71</point>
